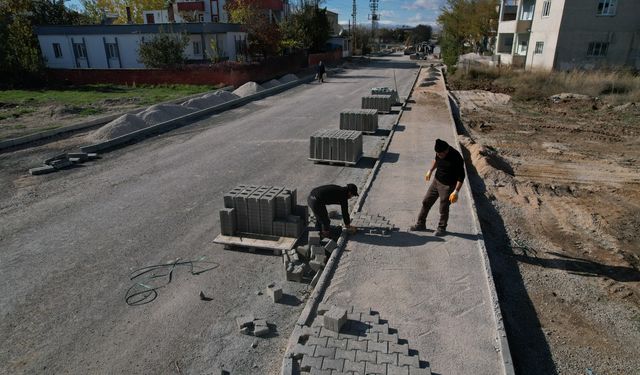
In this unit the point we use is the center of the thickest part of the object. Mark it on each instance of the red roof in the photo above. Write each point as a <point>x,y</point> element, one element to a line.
<point>191,5</point>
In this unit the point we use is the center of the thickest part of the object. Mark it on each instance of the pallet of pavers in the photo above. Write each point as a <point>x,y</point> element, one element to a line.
<point>364,120</point>
<point>261,217</point>
<point>386,91</point>
<point>336,147</point>
<point>381,103</point>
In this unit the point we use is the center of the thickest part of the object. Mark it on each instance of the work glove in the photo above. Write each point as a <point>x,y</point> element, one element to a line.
<point>427,176</point>
<point>453,198</point>
<point>351,229</point>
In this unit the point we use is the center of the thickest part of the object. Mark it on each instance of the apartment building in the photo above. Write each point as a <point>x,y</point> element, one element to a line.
<point>204,11</point>
<point>569,34</point>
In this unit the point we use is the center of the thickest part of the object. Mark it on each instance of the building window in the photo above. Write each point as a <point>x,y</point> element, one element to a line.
<point>546,8</point>
<point>597,49</point>
<point>112,51</point>
<point>201,17</point>
<point>606,8</point>
<point>539,47</point>
<point>57,50</point>
<point>79,50</point>
<point>196,48</point>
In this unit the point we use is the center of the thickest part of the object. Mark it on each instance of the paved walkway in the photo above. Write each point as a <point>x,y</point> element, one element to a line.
<point>433,291</point>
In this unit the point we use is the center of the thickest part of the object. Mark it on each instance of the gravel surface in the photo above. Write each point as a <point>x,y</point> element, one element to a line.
<point>69,240</point>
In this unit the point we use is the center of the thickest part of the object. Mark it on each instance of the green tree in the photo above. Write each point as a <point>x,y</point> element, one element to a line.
<point>421,33</point>
<point>164,50</point>
<point>96,9</point>
<point>263,33</point>
<point>307,27</point>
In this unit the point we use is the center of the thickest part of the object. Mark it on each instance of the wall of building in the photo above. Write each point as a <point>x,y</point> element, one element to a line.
<point>545,30</point>
<point>581,25</point>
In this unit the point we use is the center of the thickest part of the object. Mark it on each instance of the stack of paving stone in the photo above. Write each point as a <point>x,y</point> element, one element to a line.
<point>62,161</point>
<point>364,120</point>
<point>353,341</point>
<point>264,210</point>
<point>308,259</point>
<point>248,325</point>
<point>386,91</point>
<point>343,146</point>
<point>381,103</point>
<point>372,224</point>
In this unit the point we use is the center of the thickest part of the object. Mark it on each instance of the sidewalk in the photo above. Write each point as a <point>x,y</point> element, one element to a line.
<point>434,292</point>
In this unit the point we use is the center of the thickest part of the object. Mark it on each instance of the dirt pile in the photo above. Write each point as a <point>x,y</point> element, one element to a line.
<point>122,125</point>
<point>247,89</point>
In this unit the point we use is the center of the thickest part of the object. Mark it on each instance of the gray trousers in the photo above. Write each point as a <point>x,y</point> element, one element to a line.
<point>435,191</point>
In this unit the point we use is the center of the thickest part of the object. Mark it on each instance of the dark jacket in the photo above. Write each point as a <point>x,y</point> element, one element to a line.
<point>333,194</point>
<point>321,69</point>
<point>450,169</point>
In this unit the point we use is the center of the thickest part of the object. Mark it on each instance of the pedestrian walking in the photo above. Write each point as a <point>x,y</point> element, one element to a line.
<point>320,69</point>
<point>449,176</point>
<point>322,196</point>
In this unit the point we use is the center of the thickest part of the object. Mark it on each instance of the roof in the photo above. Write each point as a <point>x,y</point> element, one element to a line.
<point>191,28</point>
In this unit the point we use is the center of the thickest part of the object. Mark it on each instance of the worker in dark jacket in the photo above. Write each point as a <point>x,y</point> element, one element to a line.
<point>325,195</point>
<point>320,72</point>
<point>449,167</point>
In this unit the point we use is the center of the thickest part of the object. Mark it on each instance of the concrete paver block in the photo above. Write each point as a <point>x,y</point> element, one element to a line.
<point>333,364</point>
<point>303,251</point>
<point>317,250</point>
<point>354,316</point>
<point>368,336</point>
<point>353,367</point>
<point>390,358</point>
<point>322,259</point>
<point>357,344</point>
<point>314,238</point>
<point>324,352</point>
<point>419,371</point>
<point>375,368</point>
<point>303,350</point>
<point>380,328</point>
<point>323,308</point>
<point>336,343</point>
<point>315,371</point>
<point>398,348</point>
<point>373,346</point>
<point>397,370</point>
<point>373,319</point>
<point>309,362</point>
<point>330,246</point>
<point>244,321</point>
<point>260,331</point>
<point>364,356</point>
<point>408,360</point>
<point>41,170</point>
<point>318,341</point>
<point>389,337</point>
<point>275,292</point>
<point>316,266</point>
<point>345,354</point>
<point>324,332</point>
<point>335,318</point>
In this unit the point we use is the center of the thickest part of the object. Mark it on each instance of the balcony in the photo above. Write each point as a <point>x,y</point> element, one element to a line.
<point>191,6</point>
<point>523,27</point>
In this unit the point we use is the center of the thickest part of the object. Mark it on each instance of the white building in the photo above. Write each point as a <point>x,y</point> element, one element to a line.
<point>568,34</point>
<point>116,46</point>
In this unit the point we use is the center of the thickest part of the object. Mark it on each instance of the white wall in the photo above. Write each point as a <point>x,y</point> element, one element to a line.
<point>545,29</point>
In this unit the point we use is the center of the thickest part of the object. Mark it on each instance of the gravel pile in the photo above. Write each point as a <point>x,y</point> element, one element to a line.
<point>288,78</point>
<point>271,84</point>
<point>163,112</point>
<point>248,88</point>
<point>122,125</point>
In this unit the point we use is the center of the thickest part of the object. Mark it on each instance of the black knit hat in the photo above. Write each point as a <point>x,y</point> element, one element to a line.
<point>441,146</point>
<point>353,189</point>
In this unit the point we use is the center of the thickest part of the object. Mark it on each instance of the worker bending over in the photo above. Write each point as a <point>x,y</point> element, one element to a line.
<point>325,195</point>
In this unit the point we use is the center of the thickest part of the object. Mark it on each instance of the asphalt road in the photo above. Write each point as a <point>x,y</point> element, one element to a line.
<point>68,241</point>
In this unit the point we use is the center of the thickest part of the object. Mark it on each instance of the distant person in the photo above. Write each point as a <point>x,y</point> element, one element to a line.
<point>449,167</point>
<point>325,195</point>
<point>320,72</point>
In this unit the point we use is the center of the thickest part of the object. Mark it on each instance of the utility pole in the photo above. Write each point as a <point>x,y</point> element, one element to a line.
<point>353,35</point>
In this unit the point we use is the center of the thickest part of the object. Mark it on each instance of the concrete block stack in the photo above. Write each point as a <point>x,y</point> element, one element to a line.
<point>364,120</point>
<point>372,224</point>
<point>265,210</point>
<point>381,103</point>
<point>309,259</point>
<point>336,145</point>
<point>386,91</point>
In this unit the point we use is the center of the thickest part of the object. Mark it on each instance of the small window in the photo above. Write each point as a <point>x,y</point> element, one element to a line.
<point>112,51</point>
<point>546,8</point>
<point>196,48</point>
<point>57,50</point>
<point>79,50</point>
<point>597,49</point>
<point>606,8</point>
<point>539,47</point>
<point>201,17</point>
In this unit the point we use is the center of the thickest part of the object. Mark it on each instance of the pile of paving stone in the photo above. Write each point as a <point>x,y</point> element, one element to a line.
<point>350,340</point>
<point>381,103</point>
<point>364,120</point>
<point>63,161</point>
<point>386,91</point>
<point>372,224</point>
<point>248,325</point>
<point>308,261</point>
<point>336,145</point>
<point>263,210</point>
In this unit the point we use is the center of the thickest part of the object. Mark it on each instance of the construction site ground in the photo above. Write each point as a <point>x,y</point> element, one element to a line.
<point>557,183</point>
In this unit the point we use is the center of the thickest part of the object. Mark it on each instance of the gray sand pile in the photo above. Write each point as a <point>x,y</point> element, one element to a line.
<point>163,112</point>
<point>288,78</point>
<point>247,89</point>
<point>209,100</point>
<point>222,94</point>
<point>271,84</point>
<point>122,125</point>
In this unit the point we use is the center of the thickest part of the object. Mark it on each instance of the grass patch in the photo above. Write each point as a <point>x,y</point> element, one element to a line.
<point>611,86</point>
<point>94,94</point>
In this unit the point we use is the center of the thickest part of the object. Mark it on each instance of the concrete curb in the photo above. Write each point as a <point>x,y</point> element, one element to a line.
<point>10,143</point>
<point>502,344</point>
<point>189,118</point>
<point>318,292</point>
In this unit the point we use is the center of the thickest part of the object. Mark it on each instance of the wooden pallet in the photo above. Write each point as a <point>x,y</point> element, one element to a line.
<point>334,162</point>
<point>253,242</point>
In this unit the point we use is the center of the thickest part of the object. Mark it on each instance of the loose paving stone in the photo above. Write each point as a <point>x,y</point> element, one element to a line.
<point>391,358</point>
<point>362,356</point>
<point>316,265</point>
<point>330,246</point>
<point>321,351</point>
<point>380,328</point>
<point>41,170</point>
<point>346,354</point>
<point>333,364</point>
<point>309,362</point>
<point>335,318</point>
<point>399,348</point>
<point>274,292</point>
<point>373,319</point>
<point>397,370</point>
<point>336,343</point>
<point>375,368</point>
<point>373,346</point>
<point>357,345</point>
<point>354,367</point>
<point>365,311</point>
<point>408,360</point>
<point>260,331</point>
<point>368,336</point>
<point>390,337</point>
<point>314,238</point>
<point>354,316</point>
<point>244,321</point>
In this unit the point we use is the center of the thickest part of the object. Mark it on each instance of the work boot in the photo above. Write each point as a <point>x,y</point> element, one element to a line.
<point>440,232</point>
<point>418,227</point>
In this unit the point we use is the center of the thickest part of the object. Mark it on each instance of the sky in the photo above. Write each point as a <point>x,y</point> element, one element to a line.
<point>392,12</point>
